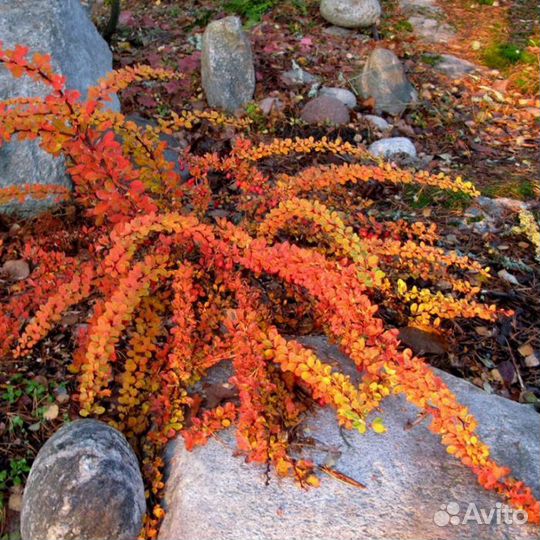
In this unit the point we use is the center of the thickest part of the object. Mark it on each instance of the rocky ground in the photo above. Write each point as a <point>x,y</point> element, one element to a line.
<point>483,126</point>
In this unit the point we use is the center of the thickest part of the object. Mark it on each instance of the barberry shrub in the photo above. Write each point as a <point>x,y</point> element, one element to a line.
<point>172,290</point>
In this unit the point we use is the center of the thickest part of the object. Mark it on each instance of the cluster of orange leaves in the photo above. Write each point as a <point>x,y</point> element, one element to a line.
<point>171,293</point>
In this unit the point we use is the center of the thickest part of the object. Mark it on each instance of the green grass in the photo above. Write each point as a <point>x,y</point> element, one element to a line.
<point>404,26</point>
<point>503,55</point>
<point>431,59</point>
<point>522,189</point>
<point>252,10</point>
<point>419,198</point>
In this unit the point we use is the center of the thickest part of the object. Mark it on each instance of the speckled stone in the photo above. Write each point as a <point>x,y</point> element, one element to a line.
<point>377,122</point>
<point>85,484</point>
<point>392,146</point>
<point>432,29</point>
<point>351,13</point>
<point>345,96</point>
<point>383,79</point>
<point>228,75</point>
<point>454,67</point>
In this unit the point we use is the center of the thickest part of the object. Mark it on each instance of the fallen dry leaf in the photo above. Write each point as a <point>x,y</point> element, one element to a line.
<point>507,276</point>
<point>15,499</point>
<point>507,372</point>
<point>483,331</point>
<point>532,360</point>
<point>51,412</point>
<point>496,375</point>
<point>526,350</point>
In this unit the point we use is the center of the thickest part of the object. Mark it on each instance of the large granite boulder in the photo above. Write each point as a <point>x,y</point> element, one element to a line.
<point>85,484</point>
<point>228,75</point>
<point>351,13</point>
<point>383,79</point>
<point>413,487</point>
<point>62,29</point>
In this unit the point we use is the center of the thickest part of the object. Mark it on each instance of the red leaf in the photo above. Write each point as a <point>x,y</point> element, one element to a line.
<point>137,187</point>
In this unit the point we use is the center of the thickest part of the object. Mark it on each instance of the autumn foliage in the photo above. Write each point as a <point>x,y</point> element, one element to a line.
<point>172,291</point>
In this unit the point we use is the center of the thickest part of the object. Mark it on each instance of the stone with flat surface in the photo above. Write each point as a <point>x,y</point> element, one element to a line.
<point>62,29</point>
<point>454,67</point>
<point>409,476</point>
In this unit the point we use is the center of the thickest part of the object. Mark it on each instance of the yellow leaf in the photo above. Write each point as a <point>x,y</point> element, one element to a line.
<point>312,480</point>
<point>99,409</point>
<point>378,426</point>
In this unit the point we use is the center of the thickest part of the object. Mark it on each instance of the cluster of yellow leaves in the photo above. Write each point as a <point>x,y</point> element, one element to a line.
<point>189,119</point>
<point>322,177</point>
<point>528,226</point>
<point>428,308</point>
<point>245,150</point>
<point>136,379</point>
<point>370,253</point>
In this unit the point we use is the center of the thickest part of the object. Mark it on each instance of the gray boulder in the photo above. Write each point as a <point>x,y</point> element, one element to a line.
<point>85,484</point>
<point>345,96</point>
<point>428,20</point>
<point>325,109</point>
<point>489,215</point>
<point>228,75</point>
<point>500,206</point>
<point>392,147</point>
<point>384,79</point>
<point>454,67</point>
<point>62,29</point>
<point>377,122</point>
<point>413,486</point>
<point>351,13</point>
